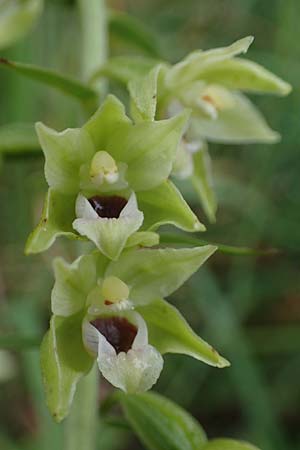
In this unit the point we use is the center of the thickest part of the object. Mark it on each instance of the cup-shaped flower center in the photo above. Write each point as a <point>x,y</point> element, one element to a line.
<point>118,331</point>
<point>103,168</point>
<point>108,206</point>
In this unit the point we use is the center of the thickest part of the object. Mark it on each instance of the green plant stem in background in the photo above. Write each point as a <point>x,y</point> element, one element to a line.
<point>81,425</point>
<point>93,17</point>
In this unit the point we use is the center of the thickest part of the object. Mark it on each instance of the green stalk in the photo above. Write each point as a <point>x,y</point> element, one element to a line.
<point>93,16</point>
<point>82,423</point>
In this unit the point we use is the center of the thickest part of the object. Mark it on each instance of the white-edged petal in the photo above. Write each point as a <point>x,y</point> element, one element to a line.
<point>84,209</point>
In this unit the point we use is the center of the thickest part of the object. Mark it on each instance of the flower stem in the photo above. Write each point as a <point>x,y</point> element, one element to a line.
<point>93,17</point>
<point>81,425</point>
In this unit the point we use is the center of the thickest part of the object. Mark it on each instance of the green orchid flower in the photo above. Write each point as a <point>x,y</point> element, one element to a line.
<point>114,312</point>
<point>109,179</point>
<point>212,84</point>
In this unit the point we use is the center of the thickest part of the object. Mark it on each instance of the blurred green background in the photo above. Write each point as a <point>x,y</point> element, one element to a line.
<point>248,307</point>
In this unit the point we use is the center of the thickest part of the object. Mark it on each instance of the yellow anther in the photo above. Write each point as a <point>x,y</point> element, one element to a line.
<point>103,167</point>
<point>114,289</point>
<point>218,96</point>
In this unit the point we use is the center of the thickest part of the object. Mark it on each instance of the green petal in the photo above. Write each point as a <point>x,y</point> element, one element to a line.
<point>242,123</point>
<point>57,216</point>
<point>148,149</point>
<point>161,424</point>
<point>64,361</point>
<point>245,75</point>
<point>170,333</point>
<point>189,69</point>
<point>110,235</point>
<point>228,444</point>
<point>143,93</point>
<point>65,152</point>
<point>203,182</point>
<point>152,273</point>
<point>73,283</point>
<point>106,122</point>
<point>165,205</point>
<point>143,239</point>
<point>16,19</point>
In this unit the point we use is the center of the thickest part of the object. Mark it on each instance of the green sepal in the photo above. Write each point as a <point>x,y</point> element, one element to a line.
<point>161,424</point>
<point>242,123</point>
<point>64,361</point>
<point>244,75</point>
<point>165,205</point>
<point>188,70</point>
<point>17,18</point>
<point>56,220</point>
<point>203,182</point>
<point>170,333</point>
<point>143,94</point>
<point>228,444</point>
<point>65,152</point>
<point>155,273</point>
<point>73,283</point>
<point>148,148</point>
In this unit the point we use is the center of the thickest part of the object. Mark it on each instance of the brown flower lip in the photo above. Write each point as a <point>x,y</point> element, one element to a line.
<point>118,331</point>
<point>108,206</point>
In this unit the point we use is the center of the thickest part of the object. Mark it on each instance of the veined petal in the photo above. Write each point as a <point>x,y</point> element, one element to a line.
<point>242,123</point>
<point>57,216</point>
<point>188,69</point>
<point>73,282</point>
<point>109,234</point>
<point>245,75</point>
<point>152,273</point>
<point>65,152</point>
<point>165,205</point>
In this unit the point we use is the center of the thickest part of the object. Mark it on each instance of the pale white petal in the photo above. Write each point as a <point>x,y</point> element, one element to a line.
<point>84,209</point>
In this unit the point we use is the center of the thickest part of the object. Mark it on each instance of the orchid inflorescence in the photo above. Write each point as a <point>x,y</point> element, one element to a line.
<point>109,184</point>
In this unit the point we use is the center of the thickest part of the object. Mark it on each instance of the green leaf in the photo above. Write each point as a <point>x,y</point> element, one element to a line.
<point>56,220</point>
<point>170,333</point>
<point>241,123</point>
<point>245,75</point>
<point>153,273</point>
<point>125,68</point>
<point>143,93</point>
<point>188,70</point>
<point>165,205</point>
<point>181,239</point>
<point>161,424</point>
<point>18,138</point>
<point>65,152</point>
<point>133,31</point>
<point>64,361</point>
<point>228,444</point>
<point>17,18</point>
<point>73,283</point>
<point>203,182</point>
<point>51,78</point>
